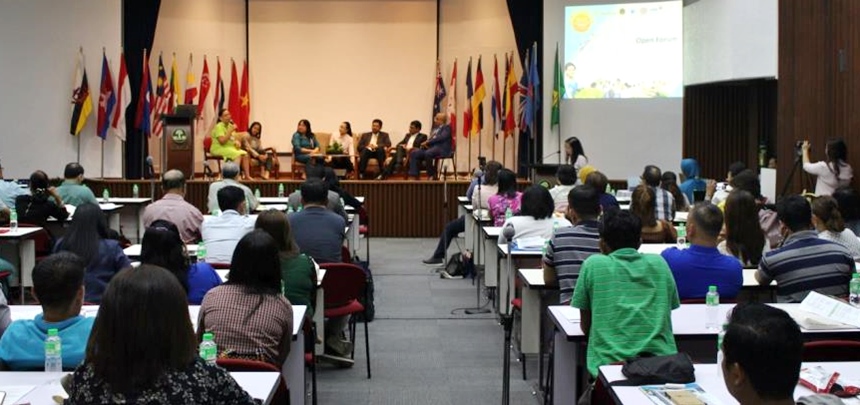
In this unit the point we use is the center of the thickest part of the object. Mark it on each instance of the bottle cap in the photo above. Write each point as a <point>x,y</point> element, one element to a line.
<point>53,332</point>
<point>712,288</point>
<point>208,336</point>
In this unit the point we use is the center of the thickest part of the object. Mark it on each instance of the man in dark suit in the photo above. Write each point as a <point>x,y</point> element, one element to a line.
<point>439,145</point>
<point>412,140</point>
<point>372,145</point>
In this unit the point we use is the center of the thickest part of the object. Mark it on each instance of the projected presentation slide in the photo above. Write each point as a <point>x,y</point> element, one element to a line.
<point>623,50</point>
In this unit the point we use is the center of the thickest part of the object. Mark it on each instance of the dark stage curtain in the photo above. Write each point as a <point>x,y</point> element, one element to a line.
<point>527,21</point>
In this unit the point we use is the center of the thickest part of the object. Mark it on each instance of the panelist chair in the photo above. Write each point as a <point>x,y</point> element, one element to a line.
<point>208,156</point>
<point>438,162</point>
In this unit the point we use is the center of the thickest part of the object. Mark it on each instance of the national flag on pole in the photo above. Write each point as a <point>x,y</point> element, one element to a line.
<point>467,112</point>
<point>82,102</point>
<point>511,91</point>
<point>526,101</point>
<point>205,83</point>
<point>107,100</point>
<point>218,100</point>
<point>478,101</point>
<point>233,102</point>
<point>205,107</point>
<point>452,107</point>
<point>440,92</point>
<point>162,99</point>
<point>534,81</point>
<point>175,90</point>
<point>123,99</point>
<point>142,120</point>
<point>497,99</point>
<point>557,92</point>
<point>244,101</point>
<point>190,87</point>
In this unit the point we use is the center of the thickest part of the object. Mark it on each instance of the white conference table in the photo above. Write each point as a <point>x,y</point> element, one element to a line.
<point>24,256</point>
<point>708,377</point>
<point>112,210</point>
<point>133,251</point>
<point>503,272</point>
<point>136,204</point>
<point>293,369</point>
<point>688,326</point>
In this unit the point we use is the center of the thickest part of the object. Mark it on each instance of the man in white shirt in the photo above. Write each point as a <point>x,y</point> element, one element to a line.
<point>229,173</point>
<point>222,233</point>
<point>372,145</point>
<point>413,139</point>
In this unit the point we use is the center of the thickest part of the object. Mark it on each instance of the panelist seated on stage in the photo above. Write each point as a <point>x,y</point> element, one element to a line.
<point>304,142</point>
<point>372,145</point>
<point>42,203</point>
<point>294,201</point>
<point>347,147</point>
<point>173,207</point>
<point>229,173</point>
<point>412,140</point>
<point>222,233</point>
<point>227,142</point>
<point>266,158</point>
<point>72,190</point>
<point>319,232</point>
<point>438,146</point>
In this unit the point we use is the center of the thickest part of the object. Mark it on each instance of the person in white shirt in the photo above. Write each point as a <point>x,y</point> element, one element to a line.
<point>574,154</point>
<point>222,233</point>
<point>830,226</point>
<point>832,173</point>
<point>229,173</point>
<point>488,187</point>
<point>536,217</point>
<point>715,192</point>
<point>566,176</point>
<point>344,139</point>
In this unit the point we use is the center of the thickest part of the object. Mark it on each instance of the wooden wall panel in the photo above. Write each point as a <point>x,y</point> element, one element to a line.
<point>846,82</point>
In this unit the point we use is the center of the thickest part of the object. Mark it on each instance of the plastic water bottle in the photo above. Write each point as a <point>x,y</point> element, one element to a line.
<point>53,352</point>
<point>105,195</point>
<point>853,289</point>
<point>300,208</point>
<point>508,213</point>
<point>608,189</point>
<point>208,348</point>
<point>257,193</point>
<point>554,226</point>
<point>290,210</point>
<point>13,220</point>
<point>201,252</point>
<point>720,337</point>
<point>281,190</point>
<point>682,236</point>
<point>712,309</point>
<point>135,191</point>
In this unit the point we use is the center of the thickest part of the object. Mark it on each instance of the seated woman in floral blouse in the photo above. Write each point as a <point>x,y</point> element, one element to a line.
<point>507,197</point>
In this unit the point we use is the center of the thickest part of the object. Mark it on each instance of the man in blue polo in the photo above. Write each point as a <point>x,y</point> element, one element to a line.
<point>702,265</point>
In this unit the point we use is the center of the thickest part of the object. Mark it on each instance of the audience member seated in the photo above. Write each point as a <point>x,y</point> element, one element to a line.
<point>744,238</point>
<point>828,221</point>
<point>266,158</point>
<point>664,203</point>
<point>747,180</point>
<point>412,140</point>
<point>653,230</point>
<point>536,216</point>
<point>172,207</point>
<point>333,204</point>
<point>330,178</point>
<point>322,231</point>
<point>222,233</point>
<point>574,154</point>
<point>229,173</point>
<point>163,247</point>
<point>507,199</point>
<point>150,357</point>
<point>304,143</point>
<point>227,143</point>
<point>648,291</point>
<point>701,265</point>
<point>570,246</point>
<point>58,282</point>
<point>248,315</point>
<point>298,272</point>
<point>669,182</point>
<point>566,176</point>
<point>10,190</point>
<point>849,207</point>
<point>692,183</point>
<point>87,237</point>
<point>72,190</point>
<point>805,262</point>
<point>438,146</point>
<point>599,181</point>
<point>42,203</point>
<point>583,173</point>
<point>762,354</point>
<point>344,139</point>
<point>715,192</point>
<point>372,145</point>
<point>834,171</point>
<point>488,187</point>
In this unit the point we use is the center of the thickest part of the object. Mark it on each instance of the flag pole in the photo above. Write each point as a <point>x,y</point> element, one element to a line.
<point>103,159</point>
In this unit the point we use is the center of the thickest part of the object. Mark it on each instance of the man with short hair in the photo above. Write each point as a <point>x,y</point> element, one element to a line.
<point>664,203</point>
<point>438,146</point>
<point>805,262</point>
<point>72,191</point>
<point>222,233</point>
<point>173,207</point>
<point>412,140</point>
<point>372,145</point>
<point>58,283</point>
<point>566,176</point>
<point>319,232</point>
<point>570,246</point>
<point>702,265</point>
<point>229,173</point>
<point>624,290</point>
<point>327,176</point>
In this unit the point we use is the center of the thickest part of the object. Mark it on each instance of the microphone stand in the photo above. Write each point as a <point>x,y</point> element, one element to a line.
<point>476,281</point>
<point>507,320</point>
<point>445,210</point>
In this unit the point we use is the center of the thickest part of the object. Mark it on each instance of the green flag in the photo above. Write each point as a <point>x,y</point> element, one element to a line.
<point>557,92</point>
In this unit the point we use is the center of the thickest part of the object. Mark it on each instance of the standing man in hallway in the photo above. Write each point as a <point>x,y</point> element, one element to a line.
<point>372,145</point>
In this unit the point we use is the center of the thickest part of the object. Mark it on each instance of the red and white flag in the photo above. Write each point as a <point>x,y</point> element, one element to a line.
<point>123,100</point>
<point>205,107</point>
<point>452,106</point>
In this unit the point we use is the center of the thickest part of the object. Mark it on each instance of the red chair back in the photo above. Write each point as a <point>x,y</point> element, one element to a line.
<point>220,266</point>
<point>831,350</point>
<point>207,144</point>
<point>343,283</point>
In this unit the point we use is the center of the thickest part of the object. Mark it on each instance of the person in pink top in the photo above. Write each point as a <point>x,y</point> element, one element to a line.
<point>507,197</point>
<point>173,207</point>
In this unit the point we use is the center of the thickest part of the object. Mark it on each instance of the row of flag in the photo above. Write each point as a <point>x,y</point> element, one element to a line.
<point>115,99</point>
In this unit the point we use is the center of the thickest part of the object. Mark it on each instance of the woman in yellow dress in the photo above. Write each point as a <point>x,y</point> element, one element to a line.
<point>227,143</point>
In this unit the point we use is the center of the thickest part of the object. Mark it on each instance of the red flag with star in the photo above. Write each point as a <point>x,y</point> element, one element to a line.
<point>244,101</point>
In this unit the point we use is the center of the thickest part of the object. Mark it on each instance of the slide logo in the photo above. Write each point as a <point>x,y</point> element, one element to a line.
<point>581,22</point>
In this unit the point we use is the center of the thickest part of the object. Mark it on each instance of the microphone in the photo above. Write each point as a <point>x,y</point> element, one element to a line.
<point>558,152</point>
<point>149,172</point>
<point>445,171</point>
<point>479,174</point>
<point>509,232</point>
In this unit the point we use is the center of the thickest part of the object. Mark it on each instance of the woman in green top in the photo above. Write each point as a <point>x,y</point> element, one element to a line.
<point>298,272</point>
<point>304,142</point>
<point>227,143</point>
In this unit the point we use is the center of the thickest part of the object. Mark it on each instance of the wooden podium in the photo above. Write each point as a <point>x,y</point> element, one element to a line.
<point>179,140</point>
<point>544,173</point>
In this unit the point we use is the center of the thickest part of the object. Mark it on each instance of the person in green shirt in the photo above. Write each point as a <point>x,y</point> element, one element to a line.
<point>624,298</point>
<point>298,272</point>
<point>72,191</point>
<point>227,142</point>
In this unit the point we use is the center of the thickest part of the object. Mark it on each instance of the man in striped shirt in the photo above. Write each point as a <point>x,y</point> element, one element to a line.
<point>664,203</point>
<point>805,262</point>
<point>570,246</point>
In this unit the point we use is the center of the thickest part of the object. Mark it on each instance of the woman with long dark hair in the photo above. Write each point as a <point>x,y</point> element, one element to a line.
<point>304,142</point>
<point>507,198</point>
<point>264,157</point>
<point>830,225</point>
<point>248,314</point>
<point>344,139</point>
<point>87,237</point>
<point>42,202</point>
<point>574,154</point>
<point>298,272</point>
<point>669,182</point>
<point>162,246</point>
<point>745,238</point>
<point>834,171</point>
<point>142,349</point>
<point>653,230</point>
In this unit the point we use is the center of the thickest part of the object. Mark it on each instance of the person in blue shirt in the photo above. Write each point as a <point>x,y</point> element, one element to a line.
<point>691,171</point>
<point>702,265</point>
<point>163,247</point>
<point>58,283</point>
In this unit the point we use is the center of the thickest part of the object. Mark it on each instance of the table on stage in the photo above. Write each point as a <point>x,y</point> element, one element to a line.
<point>24,256</point>
<point>136,205</point>
<point>293,369</point>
